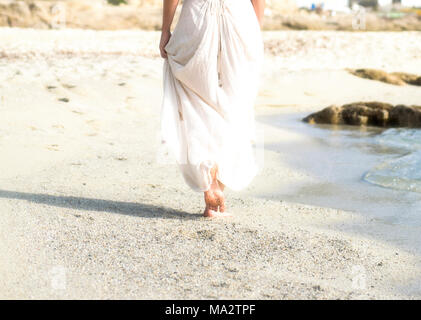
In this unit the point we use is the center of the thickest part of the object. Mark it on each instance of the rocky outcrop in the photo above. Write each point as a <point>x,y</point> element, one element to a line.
<point>369,114</point>
<point>409,78</point>
<point>396,78</point>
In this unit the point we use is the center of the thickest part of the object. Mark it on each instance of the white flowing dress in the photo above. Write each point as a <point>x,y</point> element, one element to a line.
<point>210,83</point>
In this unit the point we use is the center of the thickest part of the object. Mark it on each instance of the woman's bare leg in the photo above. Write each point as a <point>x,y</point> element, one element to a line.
<point>222,200</point>
<point>214,197</point>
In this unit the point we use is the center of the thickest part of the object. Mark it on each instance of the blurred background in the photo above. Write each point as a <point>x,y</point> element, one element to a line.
<point>380,15</point>
<point>91,209</point>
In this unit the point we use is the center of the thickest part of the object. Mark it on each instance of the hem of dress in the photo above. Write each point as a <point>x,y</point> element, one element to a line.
<point>228,185</point>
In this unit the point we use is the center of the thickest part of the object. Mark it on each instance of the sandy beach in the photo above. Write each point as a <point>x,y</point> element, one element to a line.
<point>89,211</point>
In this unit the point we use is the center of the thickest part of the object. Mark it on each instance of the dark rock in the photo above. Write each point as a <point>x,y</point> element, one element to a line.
<point>409,78</point>
<point>368,114</point>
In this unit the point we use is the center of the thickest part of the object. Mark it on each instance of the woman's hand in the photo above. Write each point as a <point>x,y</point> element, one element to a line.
<point>167,16</point>
<point>165,37</point>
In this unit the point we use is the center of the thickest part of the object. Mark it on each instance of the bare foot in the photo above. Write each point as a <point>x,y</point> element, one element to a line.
<point>214,198</point>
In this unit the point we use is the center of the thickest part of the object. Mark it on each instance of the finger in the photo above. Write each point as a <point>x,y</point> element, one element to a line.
<point>163,53</point>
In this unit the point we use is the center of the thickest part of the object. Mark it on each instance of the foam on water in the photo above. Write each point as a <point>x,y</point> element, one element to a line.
<point>403,172</point>
<point>374,172</point>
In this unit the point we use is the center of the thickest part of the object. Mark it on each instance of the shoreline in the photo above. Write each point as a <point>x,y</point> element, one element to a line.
<point>90,202</point>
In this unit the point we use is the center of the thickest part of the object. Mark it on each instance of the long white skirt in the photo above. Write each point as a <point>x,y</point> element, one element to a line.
<point>210,83</point>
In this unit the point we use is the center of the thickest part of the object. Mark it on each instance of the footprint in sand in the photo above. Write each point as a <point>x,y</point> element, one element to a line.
<point>58,128</point>
<point>68,86</point>
<point>95,125</point>
<point>53,147</point>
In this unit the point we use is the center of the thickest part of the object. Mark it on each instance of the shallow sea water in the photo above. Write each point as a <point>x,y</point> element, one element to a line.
<point>374,171</point>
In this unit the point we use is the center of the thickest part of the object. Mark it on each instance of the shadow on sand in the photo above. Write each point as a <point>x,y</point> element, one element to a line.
<point>119,207</point>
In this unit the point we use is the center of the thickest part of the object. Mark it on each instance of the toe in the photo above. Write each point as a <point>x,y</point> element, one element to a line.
<point>213,207</point>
